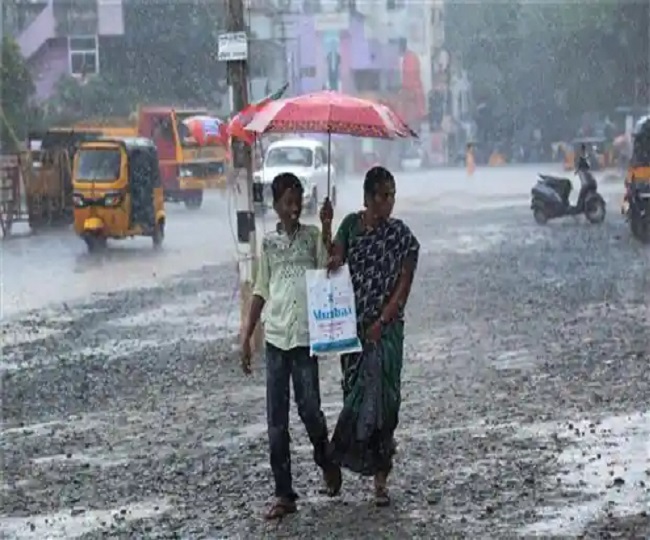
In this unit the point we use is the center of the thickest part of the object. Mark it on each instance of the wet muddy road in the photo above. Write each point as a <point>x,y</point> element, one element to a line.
<point>53,266</point>
<point>526,389</point>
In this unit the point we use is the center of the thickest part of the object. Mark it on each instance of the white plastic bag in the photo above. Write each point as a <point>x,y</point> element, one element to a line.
<point>332,312</point>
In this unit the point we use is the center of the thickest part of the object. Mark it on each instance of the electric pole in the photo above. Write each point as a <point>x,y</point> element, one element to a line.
<point>242,158</point>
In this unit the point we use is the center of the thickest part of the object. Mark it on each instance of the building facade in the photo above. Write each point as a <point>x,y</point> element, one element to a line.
<point>63,37</point>
<point>360,46</point>
<point>333,51</point>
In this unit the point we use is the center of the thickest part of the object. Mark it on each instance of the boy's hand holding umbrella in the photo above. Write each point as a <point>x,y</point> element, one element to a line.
<point>326,217</point>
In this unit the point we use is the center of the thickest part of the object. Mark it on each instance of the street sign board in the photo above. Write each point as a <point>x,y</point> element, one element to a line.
<point>233,47</point>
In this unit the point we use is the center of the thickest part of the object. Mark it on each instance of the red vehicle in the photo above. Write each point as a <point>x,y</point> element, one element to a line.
<point>186,169</point>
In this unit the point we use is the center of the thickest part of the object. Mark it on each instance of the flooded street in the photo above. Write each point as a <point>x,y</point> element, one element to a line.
<point>54,266</point>
<point>526,386</point>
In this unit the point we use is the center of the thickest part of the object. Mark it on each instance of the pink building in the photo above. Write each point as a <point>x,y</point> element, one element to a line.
<point>61,37</point>
<point>331,51</point>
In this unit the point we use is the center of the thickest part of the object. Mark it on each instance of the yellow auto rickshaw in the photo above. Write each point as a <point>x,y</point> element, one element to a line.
<point>636,203</point>
<point>117,191</point>
<point>597,153</point>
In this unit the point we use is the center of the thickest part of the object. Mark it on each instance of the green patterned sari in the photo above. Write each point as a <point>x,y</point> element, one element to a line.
<point>363,438</point>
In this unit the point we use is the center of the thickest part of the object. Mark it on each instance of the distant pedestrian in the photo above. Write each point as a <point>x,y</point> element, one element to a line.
<point>470,162</point>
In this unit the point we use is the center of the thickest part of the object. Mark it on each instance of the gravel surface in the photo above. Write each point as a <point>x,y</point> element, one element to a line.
<point>526,395</point>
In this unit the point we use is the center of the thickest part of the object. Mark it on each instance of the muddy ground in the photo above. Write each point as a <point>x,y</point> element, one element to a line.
<point>526,393</point>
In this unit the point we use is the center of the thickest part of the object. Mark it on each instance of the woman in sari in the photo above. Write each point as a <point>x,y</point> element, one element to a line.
<point>382,254</point>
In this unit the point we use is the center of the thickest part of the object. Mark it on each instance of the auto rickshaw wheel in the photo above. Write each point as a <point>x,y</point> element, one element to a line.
<point>95,242</point>
<point>640,228</point>
<point>158,234</point>
<point>194,200</point>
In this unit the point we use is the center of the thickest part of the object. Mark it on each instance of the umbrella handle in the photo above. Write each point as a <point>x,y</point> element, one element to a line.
<point>329,163</point>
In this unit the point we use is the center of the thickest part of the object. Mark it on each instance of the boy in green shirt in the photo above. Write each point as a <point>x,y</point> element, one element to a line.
<point>280,288</point>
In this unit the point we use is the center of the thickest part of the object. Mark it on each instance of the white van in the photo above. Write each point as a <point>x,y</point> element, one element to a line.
<point>307,159</point>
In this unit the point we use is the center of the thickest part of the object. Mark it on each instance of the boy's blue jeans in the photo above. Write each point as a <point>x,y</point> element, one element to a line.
<point>297,365</point>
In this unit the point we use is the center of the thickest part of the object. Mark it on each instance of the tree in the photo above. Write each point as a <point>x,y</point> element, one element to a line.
<point>543,50</point>
<point>17,89</point>
<point>169,51</point>
<point>97,97</point>
<point>167,55</point>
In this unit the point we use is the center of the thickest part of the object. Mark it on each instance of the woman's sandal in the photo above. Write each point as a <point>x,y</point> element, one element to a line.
<point>382,499</point>
<point>281,508</point>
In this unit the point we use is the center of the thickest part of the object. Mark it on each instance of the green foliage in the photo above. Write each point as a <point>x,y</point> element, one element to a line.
<point>99,96</point>
<point>520,54</point>
<point>169,51</point>
<point>16,89</point>
<point>168,55</point>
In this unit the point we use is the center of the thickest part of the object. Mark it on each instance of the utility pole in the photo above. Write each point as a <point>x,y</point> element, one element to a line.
<point>242,158</point>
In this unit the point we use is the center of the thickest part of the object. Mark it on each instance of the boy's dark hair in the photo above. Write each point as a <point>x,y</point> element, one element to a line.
<point>284,182</point>
<point>375,177</point>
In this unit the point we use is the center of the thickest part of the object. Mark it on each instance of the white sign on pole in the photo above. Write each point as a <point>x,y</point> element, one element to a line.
<point>233,47</point>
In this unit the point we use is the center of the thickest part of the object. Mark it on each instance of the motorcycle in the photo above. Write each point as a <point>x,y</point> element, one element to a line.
<point>550,198</point>
<point>637,199</point>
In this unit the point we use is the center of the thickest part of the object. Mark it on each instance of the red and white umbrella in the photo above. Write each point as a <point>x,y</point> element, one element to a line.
<point>330,112</point>
<point>206,130</point>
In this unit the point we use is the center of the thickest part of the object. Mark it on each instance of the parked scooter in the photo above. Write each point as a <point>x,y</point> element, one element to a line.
<point>550,197</point>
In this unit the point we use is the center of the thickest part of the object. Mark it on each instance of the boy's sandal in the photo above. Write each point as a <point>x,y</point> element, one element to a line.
<point>281,508</point>
<point>333,481</point>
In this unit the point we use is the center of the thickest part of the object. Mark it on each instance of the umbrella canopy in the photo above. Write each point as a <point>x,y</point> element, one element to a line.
<point>237,126</point>
<point>330,112</point>
<point>206,130</point>
<point>621,141</point>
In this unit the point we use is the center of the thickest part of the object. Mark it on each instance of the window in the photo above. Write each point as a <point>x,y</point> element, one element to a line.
<point>311,7</point>
<point>99,165</point>
<point>367,80</point>
<point>308,72</point>
<point>321,159</point>
<point>83,55</point>
<point>289,156</point>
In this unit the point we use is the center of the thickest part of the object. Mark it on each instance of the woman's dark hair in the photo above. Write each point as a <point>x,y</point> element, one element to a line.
<point>375,177</point>
<point>284,182</point>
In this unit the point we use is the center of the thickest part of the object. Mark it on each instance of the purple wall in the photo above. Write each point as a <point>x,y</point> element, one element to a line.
<point>48,65</point>
<point>356,51</point>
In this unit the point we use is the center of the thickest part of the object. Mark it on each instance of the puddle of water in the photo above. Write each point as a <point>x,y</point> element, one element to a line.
<point>15,336</point>
<point>119,347</point>
<point>177,312</point>
<point>74,424</point>
<point>10,366</point>
<point>517,359</point>
<point>619,447</point>
<point>481,427</point>
<point>100,460</point>
<point>604,309</point>
<point>238,436</point>
<point>63,524</point>
<point>469,242</point>
<point>115,348</point>
<point>20,484</point>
